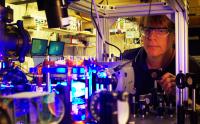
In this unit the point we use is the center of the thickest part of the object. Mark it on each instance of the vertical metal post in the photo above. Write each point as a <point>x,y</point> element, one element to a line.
<point>104,25</point>
<point>48,76</point>
<point>186,91</point>
<point>100,48</point>
<point>181,47</point>
<point>181,27</point>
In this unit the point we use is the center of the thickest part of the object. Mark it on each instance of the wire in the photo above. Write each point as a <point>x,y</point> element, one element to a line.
<point>26,9</point>
<point>150,7</point>
<point>30,75</point>
<point>119,67</point>
<point>95,21</point>
<point>107,2</point>
<point>49,38</point>
<point>101,2</point>
<point>39,64</point>
<point>115,47</point>
<point>97,16</point>
<point>24,70</point>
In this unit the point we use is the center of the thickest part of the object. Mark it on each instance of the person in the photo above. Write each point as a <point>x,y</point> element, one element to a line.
<point>157,54</point>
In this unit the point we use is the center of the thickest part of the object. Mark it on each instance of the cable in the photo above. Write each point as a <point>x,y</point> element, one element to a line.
<point>39,64</point>
<point>97,15</point>
<point>150,7</point>
<point>116,48</point>
<point>24,70</point>
<point>119,67</point>
<point>25,14</point>
<point>101,2</point>
<point>92,17</point>
<point>21,68</point>
<point>49,38</point>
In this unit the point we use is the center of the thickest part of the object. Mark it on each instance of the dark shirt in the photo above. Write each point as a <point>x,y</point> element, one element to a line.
<point>144,83</point>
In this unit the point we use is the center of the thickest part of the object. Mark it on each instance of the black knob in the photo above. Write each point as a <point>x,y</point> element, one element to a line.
<point>180,80</point>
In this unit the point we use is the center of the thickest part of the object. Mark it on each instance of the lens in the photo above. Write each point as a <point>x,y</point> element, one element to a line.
<point>51,110</point>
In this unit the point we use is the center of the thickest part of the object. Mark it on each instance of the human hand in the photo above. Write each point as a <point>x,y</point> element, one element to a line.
<point>168,83</point>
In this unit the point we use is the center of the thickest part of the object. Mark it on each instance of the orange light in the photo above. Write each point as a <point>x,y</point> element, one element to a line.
<point>79,122</point>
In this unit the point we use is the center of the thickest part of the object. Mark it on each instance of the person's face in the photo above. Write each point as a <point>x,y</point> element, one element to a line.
<point>158,40</point>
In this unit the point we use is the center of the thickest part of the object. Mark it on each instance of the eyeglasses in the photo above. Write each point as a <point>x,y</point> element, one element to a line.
<point>159,31</point>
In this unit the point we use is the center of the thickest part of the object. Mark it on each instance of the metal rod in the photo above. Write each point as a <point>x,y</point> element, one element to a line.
<point>48,76</point>
<point>193,100</point>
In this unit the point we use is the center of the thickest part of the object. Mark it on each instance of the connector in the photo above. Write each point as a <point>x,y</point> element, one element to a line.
<point>107,7</point>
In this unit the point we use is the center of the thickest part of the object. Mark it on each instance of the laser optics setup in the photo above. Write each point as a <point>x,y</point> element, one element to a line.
<point>89,90</point>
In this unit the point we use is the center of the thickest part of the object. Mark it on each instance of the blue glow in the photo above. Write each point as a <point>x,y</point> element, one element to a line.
<point>61,70</point>
<point>33,70</point>
<point>54,70</point>
<point>78,113</point>
<point>104,75</point>
<point>6,86</point>
<point>22,107</point>
<point>82,70</point>
<point>82,77</point>
<point>78,101</point>
<point>74,70</point>
<point>54,90</point>
<point>83,117</point>
<point>46,70</point>
<point>101,74</point>
<point>97,86</point>
<point>63,83</point>
<point>78,70</point>
<point>4,65</point>
<point>94,71</point>
<point>105,66</point>
<point>78,89</point>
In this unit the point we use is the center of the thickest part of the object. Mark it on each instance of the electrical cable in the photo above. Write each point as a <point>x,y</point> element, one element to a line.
<point>25,14</point>
<point>93,19</point>
<point>115,47</point>
<point>21,68</point>
<point>49,38</point>
<point>97,16</point>
<point>39,64</point>
<point>101,2</point>
<point>25,71</point>
<point>150,7</point>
